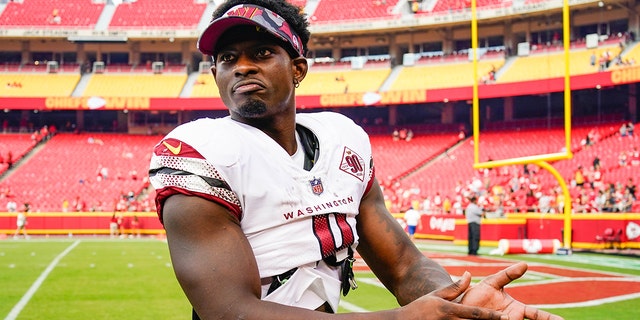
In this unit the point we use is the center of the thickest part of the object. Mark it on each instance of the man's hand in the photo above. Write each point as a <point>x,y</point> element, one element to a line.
<point>440,304</point>
<point>489,293</point>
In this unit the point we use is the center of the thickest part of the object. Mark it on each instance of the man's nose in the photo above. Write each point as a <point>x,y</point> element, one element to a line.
<point>244,64</point>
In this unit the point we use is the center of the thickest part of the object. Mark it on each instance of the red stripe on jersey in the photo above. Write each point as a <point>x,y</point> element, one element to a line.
<point>163,194</point>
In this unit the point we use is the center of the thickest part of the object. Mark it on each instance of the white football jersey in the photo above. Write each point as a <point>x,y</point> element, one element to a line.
<point>291,217</point>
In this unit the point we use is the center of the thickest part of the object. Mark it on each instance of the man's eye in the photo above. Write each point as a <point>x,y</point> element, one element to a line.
<point>264,52</point>
<point>225,57</point>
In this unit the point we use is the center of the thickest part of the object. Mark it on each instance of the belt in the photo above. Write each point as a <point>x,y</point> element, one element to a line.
<point>276,281</point>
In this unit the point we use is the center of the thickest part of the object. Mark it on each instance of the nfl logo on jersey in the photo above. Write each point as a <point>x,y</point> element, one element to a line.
<point>316,186</point>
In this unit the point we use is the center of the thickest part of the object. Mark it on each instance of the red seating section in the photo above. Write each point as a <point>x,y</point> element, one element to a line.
<point>299,3</point>
<point>457,5</point>
<point>396,158</point>
<point>456,165</point>
<point>67,168</point>
<point>16,144</point>
<point>171,14</point>
<point>41,13</point>
<point>339,10</point>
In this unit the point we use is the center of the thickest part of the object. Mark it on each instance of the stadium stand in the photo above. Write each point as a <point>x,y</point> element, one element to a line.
<point>204,86</point>
<point>395,158</point>
<point>151,14</point>
<point>32,85</point>
<point>454,166</point>
<point>446,6</point>
<point>338,10</point>
<point>135,85</point>
<point>445,75</point>
<point>342,81</point>
<point>13,147</point>
<point>51,14</point>
<point>552,65</point>
<point>68,167</point>
<point>430,162</point>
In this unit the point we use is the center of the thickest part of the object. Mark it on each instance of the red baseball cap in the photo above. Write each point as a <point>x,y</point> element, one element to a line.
<point>249,14</point>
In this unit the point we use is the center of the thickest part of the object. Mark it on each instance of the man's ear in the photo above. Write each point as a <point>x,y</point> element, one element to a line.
<point>300,68</point>
<point>213,70</point>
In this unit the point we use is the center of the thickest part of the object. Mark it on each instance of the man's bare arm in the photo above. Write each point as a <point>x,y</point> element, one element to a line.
<point>391,254</point>
<point>216,268</point>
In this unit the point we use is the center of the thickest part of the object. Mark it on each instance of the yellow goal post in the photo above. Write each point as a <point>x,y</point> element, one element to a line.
<point>541,160</point>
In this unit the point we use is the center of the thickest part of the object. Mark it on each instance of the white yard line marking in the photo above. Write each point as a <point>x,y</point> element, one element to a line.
<point>351,307</point>
<point>589,303</point>
<point>36,285</point>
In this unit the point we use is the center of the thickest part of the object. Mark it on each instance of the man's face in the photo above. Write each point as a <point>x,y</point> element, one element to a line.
<point>254,74</point>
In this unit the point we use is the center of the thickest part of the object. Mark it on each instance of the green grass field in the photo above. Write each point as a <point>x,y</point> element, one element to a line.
<point>99,278</point>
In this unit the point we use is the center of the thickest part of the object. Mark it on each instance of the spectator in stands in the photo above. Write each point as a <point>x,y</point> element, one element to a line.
<point>531,201</point>
<point>403,134</point>
<point>437,203</point>
<point>409,135</point>
<point>55,17</point>
<point>65,205</point>
<point>200,172</point>
<point>597,178</point>
<point>559,200</point>
<point>415,6</point>
<point>596,163</point>
<point>626,201</point>
<point>623,130</point>
<point>9,160</point>
<point>622,159</point>
<point>631,187</point>
<point>578,177</point>
<point>635,157</point>
<point>545,203</point>
<point>447,205</point>
<point>79,205</point>
<point>12,206</point>
<point>600,201</point>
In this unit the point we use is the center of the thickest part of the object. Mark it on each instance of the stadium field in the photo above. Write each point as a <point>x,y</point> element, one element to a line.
<point>102,278</point>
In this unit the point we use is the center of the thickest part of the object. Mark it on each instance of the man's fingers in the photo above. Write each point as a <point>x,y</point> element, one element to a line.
<point>469,312</point>
<point>455,289</point>
<point>504,277</point>
<point>536,314</point>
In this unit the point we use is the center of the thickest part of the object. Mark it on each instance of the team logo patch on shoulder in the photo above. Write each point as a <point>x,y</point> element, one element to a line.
<point>316,186</point>
<point>175,147</point>
<point>352,163</point>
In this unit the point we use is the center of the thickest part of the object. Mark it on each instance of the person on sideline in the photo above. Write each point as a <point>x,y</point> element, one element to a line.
<point>264,208</point>
<point>21,222</point>
<point>474,215</point>
<point>113,226</point>
<point>412,218</point>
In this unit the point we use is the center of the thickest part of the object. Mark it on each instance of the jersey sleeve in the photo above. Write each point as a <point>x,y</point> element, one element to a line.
<point>178,168</point>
